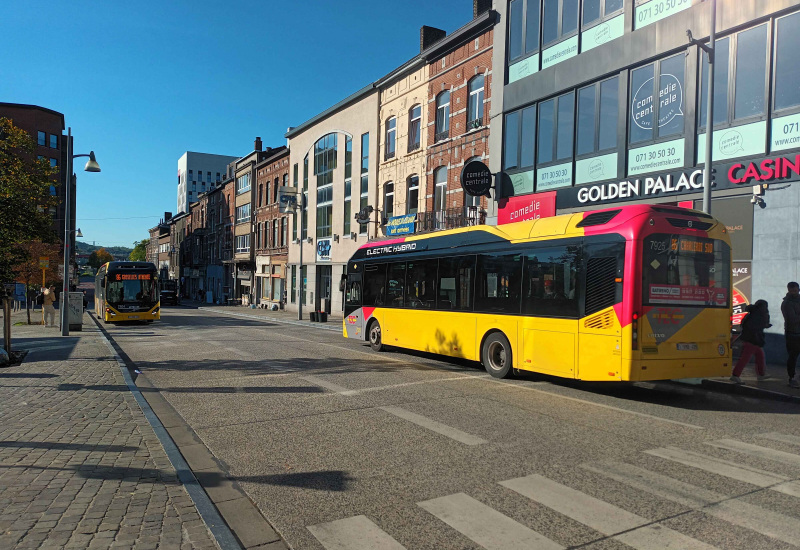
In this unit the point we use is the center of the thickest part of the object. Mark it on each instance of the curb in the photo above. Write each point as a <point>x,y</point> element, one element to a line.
<point>748,391</point>
<point>211,517</point>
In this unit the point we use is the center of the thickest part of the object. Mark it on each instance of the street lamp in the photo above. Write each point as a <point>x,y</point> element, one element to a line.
<point>91,166</point>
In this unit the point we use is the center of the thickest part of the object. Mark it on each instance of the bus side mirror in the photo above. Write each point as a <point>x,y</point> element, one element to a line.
<point>343,283</point>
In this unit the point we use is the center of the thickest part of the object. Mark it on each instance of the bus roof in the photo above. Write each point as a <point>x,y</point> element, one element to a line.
<point>129,265</point>
<point>610,220</point>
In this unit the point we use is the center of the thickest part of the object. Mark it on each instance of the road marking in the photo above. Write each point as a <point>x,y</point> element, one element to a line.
<point>393,386</point>
<point>789,459</point>
<point>605,518</point>
<point>484,525</point>
<point>766,522</point>
<point>783,438</point>
<point>355,533</point>
<point>239,352</point>
<point>325,384</point>
<point>438,427</point>
<point>271,320</point>
<point>734,470</point>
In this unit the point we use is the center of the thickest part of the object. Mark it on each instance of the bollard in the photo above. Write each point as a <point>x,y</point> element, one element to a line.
<point>7,324</point>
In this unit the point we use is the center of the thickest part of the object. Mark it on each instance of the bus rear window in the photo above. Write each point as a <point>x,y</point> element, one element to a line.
<point>684,270</point>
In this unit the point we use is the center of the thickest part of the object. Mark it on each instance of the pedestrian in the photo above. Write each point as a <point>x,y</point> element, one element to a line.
<point>753,325</point>
<point>791,329</point>
<point>47,303</point>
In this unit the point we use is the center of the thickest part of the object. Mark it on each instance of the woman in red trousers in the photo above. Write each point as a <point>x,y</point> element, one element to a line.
<point>753,325</point>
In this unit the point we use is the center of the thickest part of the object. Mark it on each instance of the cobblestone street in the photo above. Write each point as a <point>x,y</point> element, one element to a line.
<point>80,466</point>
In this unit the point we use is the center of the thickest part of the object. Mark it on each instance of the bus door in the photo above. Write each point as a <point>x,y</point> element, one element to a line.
<point>353,313</point>
<point>600,331</point>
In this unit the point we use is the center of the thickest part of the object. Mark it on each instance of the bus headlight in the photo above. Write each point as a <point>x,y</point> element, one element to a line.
<point>721,349</point>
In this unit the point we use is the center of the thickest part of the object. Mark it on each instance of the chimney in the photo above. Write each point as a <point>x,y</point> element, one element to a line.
<point>167,216</point>
<point>429,35</point>
<point>257,145</point>
<point>480,6</point>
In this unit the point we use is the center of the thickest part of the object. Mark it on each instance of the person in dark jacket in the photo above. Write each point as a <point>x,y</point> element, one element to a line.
<point>791,329</point>
<point>753,325</point>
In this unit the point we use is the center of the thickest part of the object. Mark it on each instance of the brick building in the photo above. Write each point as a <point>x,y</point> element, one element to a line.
<point>271,235</point>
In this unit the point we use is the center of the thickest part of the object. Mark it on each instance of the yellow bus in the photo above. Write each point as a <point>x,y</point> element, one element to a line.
<point>127,291</point>
<point>632,293</point>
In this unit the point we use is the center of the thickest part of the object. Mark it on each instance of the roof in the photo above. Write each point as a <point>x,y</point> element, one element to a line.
<point>34,107</point>
<point>363,92</point>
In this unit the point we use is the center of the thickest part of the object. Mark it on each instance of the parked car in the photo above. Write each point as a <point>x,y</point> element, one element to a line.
<point>169,293</point>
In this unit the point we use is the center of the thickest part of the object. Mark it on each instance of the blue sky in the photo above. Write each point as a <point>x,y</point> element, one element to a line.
<point>142,82</point>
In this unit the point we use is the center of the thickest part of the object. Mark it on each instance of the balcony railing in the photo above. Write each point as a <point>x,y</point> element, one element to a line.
<point>451,218</point>
<point>441,136</point>
<point>473,124</point>
<point>389,155</point>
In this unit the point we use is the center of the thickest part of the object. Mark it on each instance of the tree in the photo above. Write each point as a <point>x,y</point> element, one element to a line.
<point>29,272</point>
<point>139,252</point>
<point>99,257</point>
<point>25,198</point>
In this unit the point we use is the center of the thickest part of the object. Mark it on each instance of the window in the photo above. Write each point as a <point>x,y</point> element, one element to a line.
<point>261,195</point>
<point>475,103</point>
<point>523,28</point>
<point>243,213</point>
<point>275,186</point>
<point>293,297</point>
<point>520,131</point>
<point>388,200</point>
<point>395,284</point>
<point>53,190</point>
<point>284,231</point>
<point>747,97</point>
<point>242,183</point>
<point>421,284</point>
<point>275,233</point>
<point>286,180</point>
<point>53,162</point>
<point>550,282</point>
<point>456,278</point>
<point>218,179</point>
<point>391,129</point>
<point>242,244</point>
<point>375,285</point>
<point>364,178</point>
<point>414,127</point>
<point>597,10</point>
<point>440,191</point>
<point>556,129</point>
<point>200,175</point>
<point>208,177</point>
<point>787,70</point>
<point>413,194</point>
<point>348,183</point>
<point>598,107</point>
<point>53,141</point>
<point>42,139</point>
<point>560,20</point>
<point>498,283</point>
<point>657,114</point>
<point>442,116</point>
<point>304,233</point>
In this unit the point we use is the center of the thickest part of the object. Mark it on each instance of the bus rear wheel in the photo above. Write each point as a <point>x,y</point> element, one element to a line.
<point>496,355</point>
<point>375,340</point>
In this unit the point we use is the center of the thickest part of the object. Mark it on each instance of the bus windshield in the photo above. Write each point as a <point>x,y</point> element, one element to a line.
<point>684,270</point>
<point>134,288</point>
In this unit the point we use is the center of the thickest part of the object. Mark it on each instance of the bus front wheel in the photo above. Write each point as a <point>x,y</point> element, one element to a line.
<point>375,340</point>
<point>496,355</point>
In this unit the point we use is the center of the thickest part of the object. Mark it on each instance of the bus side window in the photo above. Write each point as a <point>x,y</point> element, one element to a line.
<point>499,278</point>
<point>396,284</point>
<point>375,285</point>
<point>455,280</point>
<point>550,282</point>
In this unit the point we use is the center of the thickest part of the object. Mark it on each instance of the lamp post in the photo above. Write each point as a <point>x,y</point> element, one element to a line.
<point>710,110</point>
<point>91,166</point>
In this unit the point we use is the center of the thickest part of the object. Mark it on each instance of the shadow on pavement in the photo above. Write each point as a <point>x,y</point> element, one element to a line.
<point>27,375</point>
<point>53,445</point>
<point>199,389</point>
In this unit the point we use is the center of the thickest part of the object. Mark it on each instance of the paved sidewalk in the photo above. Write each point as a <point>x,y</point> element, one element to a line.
<point>80,466</point>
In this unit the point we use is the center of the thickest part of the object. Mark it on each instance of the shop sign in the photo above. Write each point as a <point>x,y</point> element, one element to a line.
<point>656,157</point>
<point>476,179</point>
<point>244,274</point>
<point>741,141</point>
<point>742,289</point>
<point>656,10</point>
<point>560,52</point>
<point>323,250</point>
<point>554,177</point>
<point>631,189</point>
<point>526,207</point>
<point>785,132</point>
<point>400,225</point>
<point>602,33</point>
<point>670,102</point>
<point>596,169</point>
<point>522,182</point>
<point>521,69</point>
<point>766,170</point>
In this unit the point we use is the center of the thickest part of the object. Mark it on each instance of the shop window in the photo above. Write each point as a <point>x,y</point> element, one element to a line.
<point>598,106</point>
<point>740,78</point>
<point>523,28</point>
<point>787,70</point>
<point>595,11</point>
<point>656,105</point>
<point>556,129</point>
<point>560,20</point>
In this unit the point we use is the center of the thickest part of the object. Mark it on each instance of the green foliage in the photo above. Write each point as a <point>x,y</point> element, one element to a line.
<point>116,251</point>
<point>99,257</point>
<point>24,196</point>
<point>139,252</point>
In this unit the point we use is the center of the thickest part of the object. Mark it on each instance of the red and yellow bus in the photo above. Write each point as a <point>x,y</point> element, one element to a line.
<point>632,293</point>
<point>127,291</point>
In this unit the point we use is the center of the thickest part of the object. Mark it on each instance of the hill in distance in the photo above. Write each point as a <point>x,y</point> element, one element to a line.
<point>120,252</point>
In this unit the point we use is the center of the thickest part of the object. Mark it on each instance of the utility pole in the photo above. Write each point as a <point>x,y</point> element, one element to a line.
<point>707,169</point>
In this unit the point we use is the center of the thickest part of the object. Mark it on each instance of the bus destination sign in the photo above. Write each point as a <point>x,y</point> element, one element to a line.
<point>398,248</point>
<point>134,276</point>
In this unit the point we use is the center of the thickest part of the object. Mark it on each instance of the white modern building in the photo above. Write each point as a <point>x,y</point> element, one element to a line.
<point>198,173</point>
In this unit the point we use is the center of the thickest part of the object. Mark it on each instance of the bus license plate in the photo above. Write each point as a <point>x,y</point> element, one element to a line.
<point>136,317</point>
<point>687,347</point>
